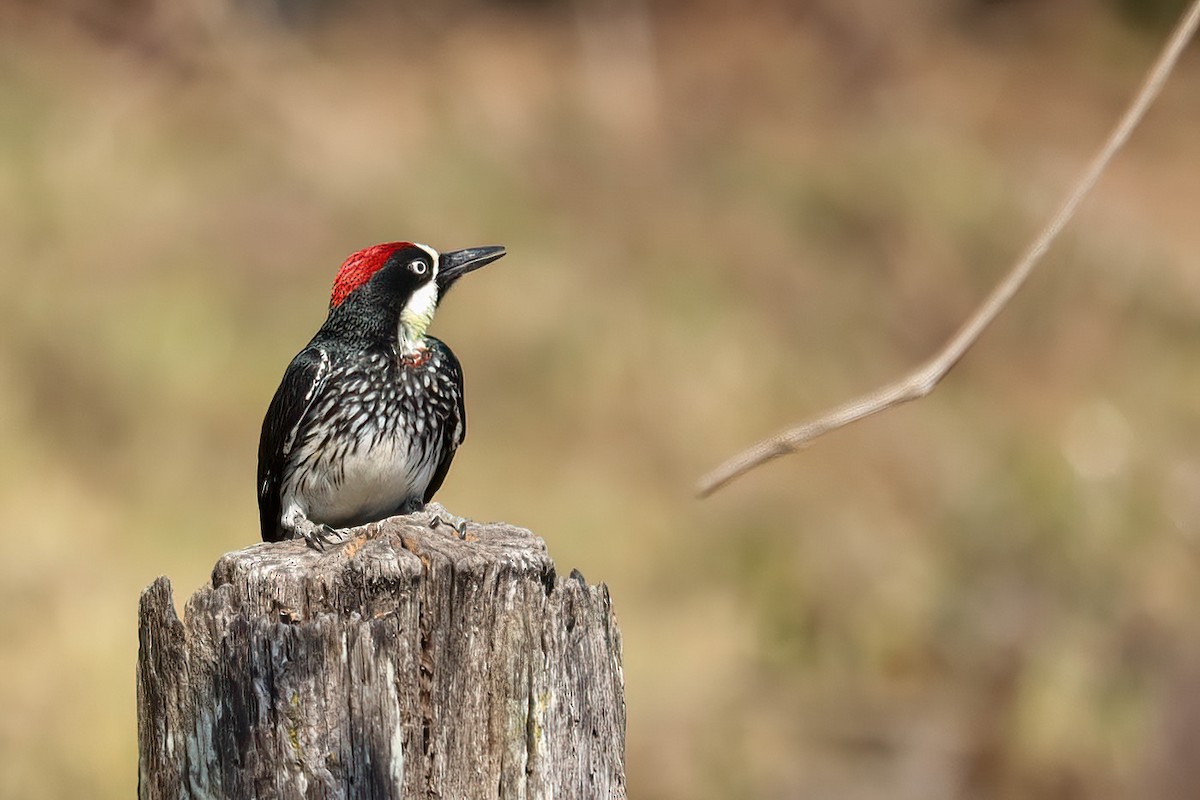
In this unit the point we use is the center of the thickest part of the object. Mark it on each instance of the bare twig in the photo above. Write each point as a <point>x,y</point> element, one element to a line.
<point>922,380</point>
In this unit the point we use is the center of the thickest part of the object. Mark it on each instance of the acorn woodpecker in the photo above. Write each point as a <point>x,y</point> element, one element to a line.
<point>368,416</point>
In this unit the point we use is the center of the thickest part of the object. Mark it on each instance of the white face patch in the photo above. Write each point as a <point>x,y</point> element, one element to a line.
<point>418,311</point>
<point>434,258</point>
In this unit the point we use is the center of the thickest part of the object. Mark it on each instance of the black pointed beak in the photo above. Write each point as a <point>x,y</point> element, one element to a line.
<point>455,264</point>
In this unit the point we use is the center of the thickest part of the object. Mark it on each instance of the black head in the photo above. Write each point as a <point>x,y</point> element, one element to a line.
<point>404,278</point>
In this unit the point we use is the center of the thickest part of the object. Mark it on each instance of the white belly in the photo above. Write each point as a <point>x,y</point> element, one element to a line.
<point>368,485</point>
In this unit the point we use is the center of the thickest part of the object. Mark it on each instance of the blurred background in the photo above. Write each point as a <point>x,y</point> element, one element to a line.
<point>721,218</point>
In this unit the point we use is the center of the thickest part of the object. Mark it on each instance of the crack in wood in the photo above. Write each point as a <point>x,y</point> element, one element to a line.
<point>406,663</point>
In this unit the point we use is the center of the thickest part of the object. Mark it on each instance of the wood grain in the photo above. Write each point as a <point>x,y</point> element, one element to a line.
<point>404,663</point>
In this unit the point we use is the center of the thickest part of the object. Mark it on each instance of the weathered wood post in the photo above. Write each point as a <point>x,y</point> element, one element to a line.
<point>405,663</point>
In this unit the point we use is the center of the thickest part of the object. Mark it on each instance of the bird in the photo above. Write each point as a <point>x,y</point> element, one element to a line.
<point>368,416</point>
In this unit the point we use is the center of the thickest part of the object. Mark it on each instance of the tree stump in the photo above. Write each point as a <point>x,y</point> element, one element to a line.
<point>404,663</point>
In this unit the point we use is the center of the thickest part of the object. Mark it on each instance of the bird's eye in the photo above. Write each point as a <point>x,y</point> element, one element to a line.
<point>418,267</point>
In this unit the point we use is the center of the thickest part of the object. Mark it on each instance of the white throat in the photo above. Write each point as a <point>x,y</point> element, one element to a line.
<point>418,311</point>
<point>416,316</point>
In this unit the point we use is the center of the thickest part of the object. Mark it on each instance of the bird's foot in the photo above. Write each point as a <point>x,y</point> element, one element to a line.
<point>318,536</point>
<point>439,516</point>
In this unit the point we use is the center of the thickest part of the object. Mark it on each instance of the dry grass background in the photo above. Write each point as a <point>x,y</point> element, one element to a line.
<point>720,218</point>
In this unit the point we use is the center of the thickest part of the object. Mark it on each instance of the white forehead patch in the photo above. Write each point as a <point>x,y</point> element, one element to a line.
<point>434,258</point>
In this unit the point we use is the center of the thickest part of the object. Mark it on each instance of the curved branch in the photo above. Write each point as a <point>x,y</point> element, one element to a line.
<point>925,378</point>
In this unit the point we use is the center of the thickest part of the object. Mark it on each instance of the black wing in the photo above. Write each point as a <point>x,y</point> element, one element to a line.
<point>454,433</point>
<point>301,384</point>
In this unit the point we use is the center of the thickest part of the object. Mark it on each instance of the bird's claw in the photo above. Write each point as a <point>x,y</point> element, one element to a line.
<point>318,537</point>
<point>460,527</point>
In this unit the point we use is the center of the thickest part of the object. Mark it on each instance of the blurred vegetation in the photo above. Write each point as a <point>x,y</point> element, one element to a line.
<point>721,218</point>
